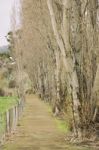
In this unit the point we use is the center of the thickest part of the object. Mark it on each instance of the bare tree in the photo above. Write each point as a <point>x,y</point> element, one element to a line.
<point>59,50</point>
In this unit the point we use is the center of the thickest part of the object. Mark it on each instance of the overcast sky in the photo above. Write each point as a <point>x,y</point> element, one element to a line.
<point>5,13</point>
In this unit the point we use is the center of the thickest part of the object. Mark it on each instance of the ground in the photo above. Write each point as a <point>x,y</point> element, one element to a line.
<point>37,130</point>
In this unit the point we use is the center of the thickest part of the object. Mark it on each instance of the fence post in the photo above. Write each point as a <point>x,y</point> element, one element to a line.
<point>7,122</point>
<point>12,117</point>
<point>16,115</point>
<point>13,120</point>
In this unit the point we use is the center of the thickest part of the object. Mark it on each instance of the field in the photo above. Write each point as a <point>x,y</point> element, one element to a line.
<point>5,104</point>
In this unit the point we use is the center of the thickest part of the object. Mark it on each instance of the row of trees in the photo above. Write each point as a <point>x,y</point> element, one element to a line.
<point>58,47</point>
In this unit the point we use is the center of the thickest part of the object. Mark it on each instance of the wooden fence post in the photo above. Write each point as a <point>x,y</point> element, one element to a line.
<point>12,117</point>
<point>7,122</point>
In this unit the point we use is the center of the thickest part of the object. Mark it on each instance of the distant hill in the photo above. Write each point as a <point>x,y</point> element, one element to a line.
<point>4,49</point>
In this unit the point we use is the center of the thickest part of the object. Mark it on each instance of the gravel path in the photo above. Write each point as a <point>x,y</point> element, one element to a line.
<point>37,130</point>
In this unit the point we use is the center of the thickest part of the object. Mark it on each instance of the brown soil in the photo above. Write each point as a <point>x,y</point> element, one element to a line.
<point>37,130</point>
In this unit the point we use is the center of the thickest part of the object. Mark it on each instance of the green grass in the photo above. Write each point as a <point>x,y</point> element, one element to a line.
<point>5,104</point>
<point>61,125</point>
<point>2,123</point>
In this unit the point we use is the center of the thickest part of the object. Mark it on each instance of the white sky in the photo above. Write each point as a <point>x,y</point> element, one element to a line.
<point>5,13</point>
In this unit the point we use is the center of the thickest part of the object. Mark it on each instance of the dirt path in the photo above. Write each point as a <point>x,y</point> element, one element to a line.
<point>37,130</point>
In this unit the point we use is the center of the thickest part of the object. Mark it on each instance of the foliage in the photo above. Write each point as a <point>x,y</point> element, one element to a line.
<point>2,93</point>
<point>12,84</point>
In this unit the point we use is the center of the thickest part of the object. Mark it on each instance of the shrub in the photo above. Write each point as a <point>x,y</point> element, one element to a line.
<point>12,84</point>
<point>2,92</point>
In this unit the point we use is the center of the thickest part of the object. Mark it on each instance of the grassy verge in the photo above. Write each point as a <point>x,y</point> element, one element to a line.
<point>61,125</point>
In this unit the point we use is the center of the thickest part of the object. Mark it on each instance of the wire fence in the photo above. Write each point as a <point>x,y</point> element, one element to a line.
<point>9,120</point>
